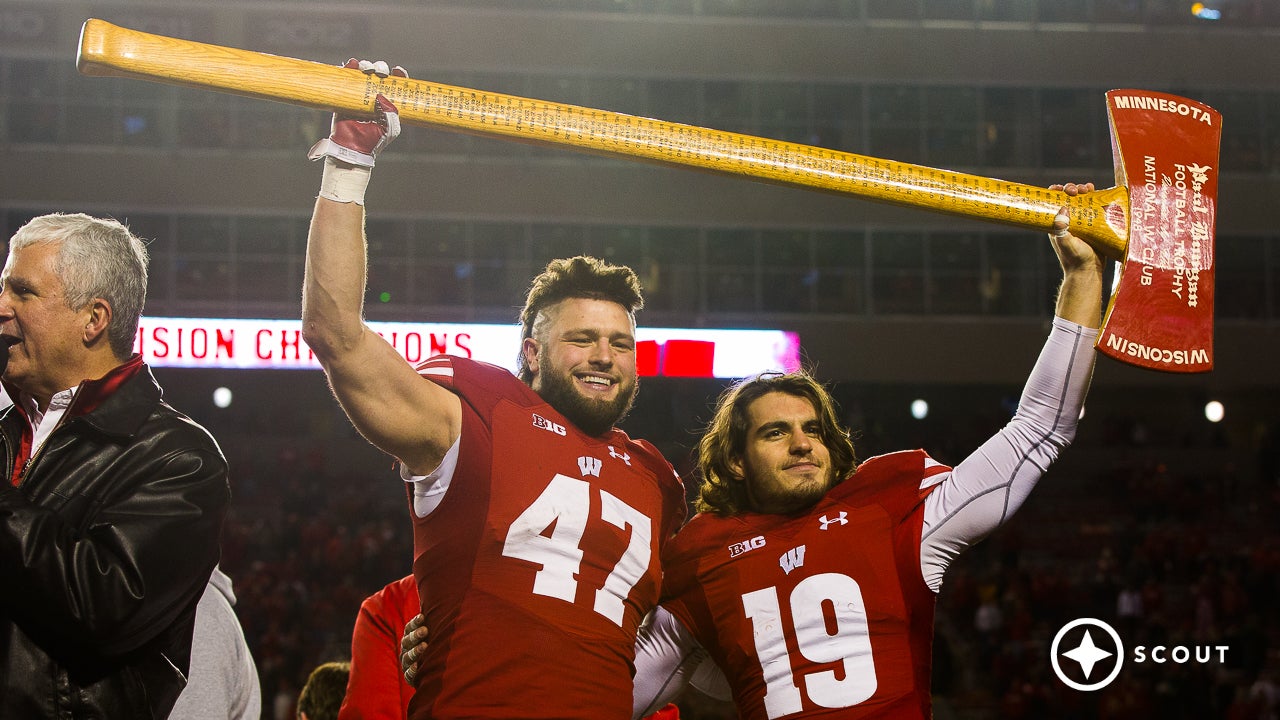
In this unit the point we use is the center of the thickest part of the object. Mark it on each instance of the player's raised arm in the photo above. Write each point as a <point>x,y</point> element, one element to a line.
<point>1080,296</point>
<point>413,419</point>
<point>987,487</point>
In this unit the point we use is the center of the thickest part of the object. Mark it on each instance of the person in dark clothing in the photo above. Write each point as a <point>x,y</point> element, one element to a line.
<point>113,501</point>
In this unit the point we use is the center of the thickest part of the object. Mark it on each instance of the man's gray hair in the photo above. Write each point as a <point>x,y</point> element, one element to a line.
<point>97,258</point>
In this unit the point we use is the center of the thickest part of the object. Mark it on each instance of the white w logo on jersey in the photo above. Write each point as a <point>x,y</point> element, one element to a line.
<point>589,466</point>
<point>792,559</point>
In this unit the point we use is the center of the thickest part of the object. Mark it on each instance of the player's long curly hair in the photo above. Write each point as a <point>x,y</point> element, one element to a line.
<point>723,491</point>
<point>577,277</point>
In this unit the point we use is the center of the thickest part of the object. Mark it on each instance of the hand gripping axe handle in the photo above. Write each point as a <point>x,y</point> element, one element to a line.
<point>1158,220</point>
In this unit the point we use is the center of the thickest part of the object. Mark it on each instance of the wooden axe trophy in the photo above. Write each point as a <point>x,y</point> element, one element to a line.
<point>1158,220</point>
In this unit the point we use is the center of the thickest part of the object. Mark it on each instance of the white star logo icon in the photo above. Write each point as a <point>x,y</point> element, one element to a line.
<point>1087,654</point>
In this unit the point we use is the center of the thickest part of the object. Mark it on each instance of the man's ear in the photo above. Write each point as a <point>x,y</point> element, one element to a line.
<point>529,348</point>
<point>735,466</point>
<point>97,321</point>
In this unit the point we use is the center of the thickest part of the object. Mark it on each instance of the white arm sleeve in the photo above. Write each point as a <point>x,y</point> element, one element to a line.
<point>987,487</point>
<point>429,489</point>
<point>668,658</point>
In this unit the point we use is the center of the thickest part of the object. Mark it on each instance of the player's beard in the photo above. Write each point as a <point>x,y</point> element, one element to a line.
<point>591,416</point>
<point>775,498</point>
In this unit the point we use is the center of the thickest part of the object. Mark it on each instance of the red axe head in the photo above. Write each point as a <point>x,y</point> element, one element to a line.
<point>1166,154</point>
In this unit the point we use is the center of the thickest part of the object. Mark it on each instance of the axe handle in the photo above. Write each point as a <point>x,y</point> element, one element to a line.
<point>1101,218</point>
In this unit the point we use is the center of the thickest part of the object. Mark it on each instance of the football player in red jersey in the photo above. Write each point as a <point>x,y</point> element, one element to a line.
<point>538,526</point>
<point>810,580</point>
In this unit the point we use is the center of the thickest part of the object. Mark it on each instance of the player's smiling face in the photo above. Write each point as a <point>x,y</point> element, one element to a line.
<point>785,464</point>
<point>583,359</point>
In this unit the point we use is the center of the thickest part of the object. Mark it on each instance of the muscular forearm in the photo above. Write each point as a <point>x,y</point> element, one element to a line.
<point>334,281</point>
<point>396,410</point>
<point>1080,296</point>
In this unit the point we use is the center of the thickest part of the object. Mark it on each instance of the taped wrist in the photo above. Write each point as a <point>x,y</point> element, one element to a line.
<point>327,147</point>
<point>344,183</point>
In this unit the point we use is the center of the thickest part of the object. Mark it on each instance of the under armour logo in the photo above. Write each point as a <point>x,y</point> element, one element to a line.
<point>589,466</point>
<point>624,457</point>
<point>792,559</point>
<point>830,521</point>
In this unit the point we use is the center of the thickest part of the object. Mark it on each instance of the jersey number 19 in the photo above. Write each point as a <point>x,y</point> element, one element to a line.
<point>850,643</point>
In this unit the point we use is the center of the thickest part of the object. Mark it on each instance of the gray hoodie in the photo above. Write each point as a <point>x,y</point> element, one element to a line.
<point>223,682</point>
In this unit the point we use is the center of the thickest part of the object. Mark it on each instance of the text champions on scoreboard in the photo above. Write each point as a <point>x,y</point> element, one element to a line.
<point>278,344</point>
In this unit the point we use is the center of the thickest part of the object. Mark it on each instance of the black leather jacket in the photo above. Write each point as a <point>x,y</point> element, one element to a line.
<point>106,544</point>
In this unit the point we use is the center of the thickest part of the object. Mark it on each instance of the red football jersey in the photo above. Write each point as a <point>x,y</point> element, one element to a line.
<point>539,563</point>
<point>822,614</point>
<point>376,690</point>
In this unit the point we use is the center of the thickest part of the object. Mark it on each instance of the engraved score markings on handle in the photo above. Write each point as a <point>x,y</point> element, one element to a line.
<point>726,151</point>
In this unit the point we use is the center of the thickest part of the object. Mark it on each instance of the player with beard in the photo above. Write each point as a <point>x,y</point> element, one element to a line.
<point>538,526</point>
<point>809,579</point>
